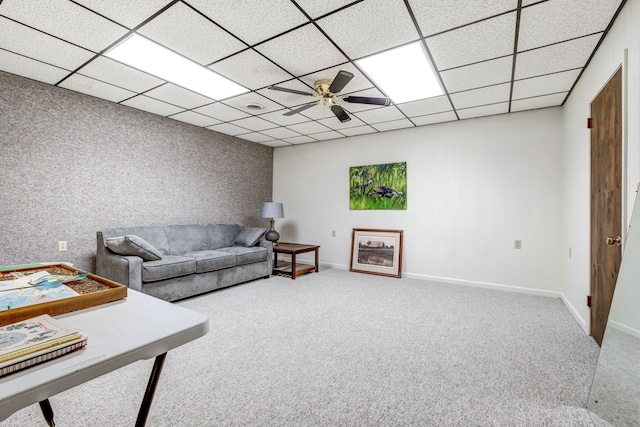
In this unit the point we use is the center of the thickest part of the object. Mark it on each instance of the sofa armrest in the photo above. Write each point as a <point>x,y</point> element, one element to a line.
<point>269,245</point>
<point>126,270</point>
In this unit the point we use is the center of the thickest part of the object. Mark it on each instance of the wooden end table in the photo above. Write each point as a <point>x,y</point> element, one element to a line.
<point>293,268</point>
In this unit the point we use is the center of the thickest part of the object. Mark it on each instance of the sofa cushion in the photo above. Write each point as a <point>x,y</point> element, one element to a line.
<point>248,236</point>
<point>187,238</point>
<point>222,235</point>
<point>153,234</point>
<point>133,245</point>
<point>166,268</point>
<point>247,255</point>
<point>212,260</point>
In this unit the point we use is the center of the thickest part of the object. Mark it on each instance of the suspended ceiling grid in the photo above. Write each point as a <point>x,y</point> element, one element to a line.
<point>491,56</point>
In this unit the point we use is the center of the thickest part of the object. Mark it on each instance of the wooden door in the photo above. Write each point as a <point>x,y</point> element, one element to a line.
<point>606,200</point>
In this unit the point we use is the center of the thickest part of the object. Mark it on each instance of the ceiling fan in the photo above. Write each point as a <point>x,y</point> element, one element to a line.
<point>327,91</point>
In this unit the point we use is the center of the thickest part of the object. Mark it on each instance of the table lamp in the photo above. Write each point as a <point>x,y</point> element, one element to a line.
<point>272,210</point>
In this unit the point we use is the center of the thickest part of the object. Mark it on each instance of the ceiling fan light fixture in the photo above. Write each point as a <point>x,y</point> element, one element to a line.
<point>145,55</point>
<point>405,73</point>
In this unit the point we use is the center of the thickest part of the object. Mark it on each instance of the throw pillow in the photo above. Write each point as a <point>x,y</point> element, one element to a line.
<point>248,237</point>
<point>133,245</point>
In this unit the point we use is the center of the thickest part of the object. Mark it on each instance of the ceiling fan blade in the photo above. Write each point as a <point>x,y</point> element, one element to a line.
<point>297,92</point>
<point>367,100</point>
<point>340,81</point>
<point>340,113</point>
<point>301,108</point>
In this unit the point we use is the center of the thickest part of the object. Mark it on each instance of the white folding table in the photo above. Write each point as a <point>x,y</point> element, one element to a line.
<point>121,332</point>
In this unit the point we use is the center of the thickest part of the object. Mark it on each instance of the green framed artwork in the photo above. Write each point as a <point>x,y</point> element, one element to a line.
<point>381,186</point>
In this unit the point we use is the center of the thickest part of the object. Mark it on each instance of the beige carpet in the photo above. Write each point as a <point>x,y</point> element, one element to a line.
<point>347,349</point>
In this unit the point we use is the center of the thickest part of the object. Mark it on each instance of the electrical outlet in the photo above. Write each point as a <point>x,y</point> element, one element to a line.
<point>517,244</point>
<point>62,246</point>
<point>333,233</point>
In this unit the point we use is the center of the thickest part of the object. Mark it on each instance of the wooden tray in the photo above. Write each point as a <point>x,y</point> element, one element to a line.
<point>109,291</point>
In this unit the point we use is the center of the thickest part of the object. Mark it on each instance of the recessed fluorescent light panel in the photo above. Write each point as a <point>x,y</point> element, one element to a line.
<point>403,73</point>
<point>145,55</point>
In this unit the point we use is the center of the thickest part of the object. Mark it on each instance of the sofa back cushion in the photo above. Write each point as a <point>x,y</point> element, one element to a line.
<point>222,235</point>
<point>153,234</point>
<point>187,238</point>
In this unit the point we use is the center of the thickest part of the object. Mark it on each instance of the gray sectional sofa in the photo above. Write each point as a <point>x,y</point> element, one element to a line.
<point>178,261</point>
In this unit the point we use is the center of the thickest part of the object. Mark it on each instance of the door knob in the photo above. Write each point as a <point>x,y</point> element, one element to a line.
<point>614,240</point>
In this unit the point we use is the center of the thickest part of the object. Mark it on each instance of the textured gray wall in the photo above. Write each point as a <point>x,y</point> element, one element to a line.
<point>71,164</point>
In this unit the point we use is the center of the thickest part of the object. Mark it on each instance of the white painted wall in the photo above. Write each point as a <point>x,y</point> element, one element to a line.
<point>624,35</point>
<point>474,186</point>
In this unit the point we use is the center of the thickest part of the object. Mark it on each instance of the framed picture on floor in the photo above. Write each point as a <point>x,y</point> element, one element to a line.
<point>376,252</point>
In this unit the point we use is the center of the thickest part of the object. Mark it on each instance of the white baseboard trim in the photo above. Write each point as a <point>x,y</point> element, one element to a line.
<point>485,285</point>
<point>623,328</point>
<point>586,327</point>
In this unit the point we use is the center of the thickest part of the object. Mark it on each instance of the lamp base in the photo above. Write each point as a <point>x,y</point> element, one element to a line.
<point>272,235</point>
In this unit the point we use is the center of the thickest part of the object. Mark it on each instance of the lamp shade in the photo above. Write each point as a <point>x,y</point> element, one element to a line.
<point>271,210</point>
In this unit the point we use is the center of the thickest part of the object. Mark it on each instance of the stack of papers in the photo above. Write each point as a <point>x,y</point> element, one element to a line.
<point>36,340</point>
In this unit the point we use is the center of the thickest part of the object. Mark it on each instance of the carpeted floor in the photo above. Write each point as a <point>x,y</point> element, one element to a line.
<point>348,349</point>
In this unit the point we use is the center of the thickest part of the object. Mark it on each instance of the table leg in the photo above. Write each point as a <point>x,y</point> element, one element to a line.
<point>317,260</point>
<point>293,266</point>
<point>47,412</point>
<point>150,391</point>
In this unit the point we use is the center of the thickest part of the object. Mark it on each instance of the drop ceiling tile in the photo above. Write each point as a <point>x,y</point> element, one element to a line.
<point>483,96</point>
<point>557,57</point>
<point>240,102</point>
<point>369,27</point>
<point>478,42</point>
<point>538,102</point>
<point>543,85</point>
<point>185,31</point>
<point>430,119</point>
<point>30,68</point>
<point>254,124</point>
<point>299,140</point>
<point>308,128</point>
<point>66,20</point>
<point>25,41</point>
<point>358,83</point>
<point>395,124</point>
<point>228,129</point>
<point>280,133</point>
<point>250,69</point>
<point>487,110</point>
<point>286,98</point>
<point>478,75</point>
<point>425,106</point>
<point>436,16</point>
<point>96,88</point>
<point>276,143</point>
<point>151,105</point>
<point>360,130</point>
<point>279,118</point>
<point>195,119</point>
<point>255,137</point>
<point>252,20</point>
<point>117,74</point>
<point>327,135</point>
<point>555,21</point>
<point>122,12</point>
<point>221,112</point>
<point>302,51</point>
<point>384,114</point>
<point>317,8</point>
<point>178,96</point>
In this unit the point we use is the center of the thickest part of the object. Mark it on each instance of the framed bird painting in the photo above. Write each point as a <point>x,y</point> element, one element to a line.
<point>378,186</point>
